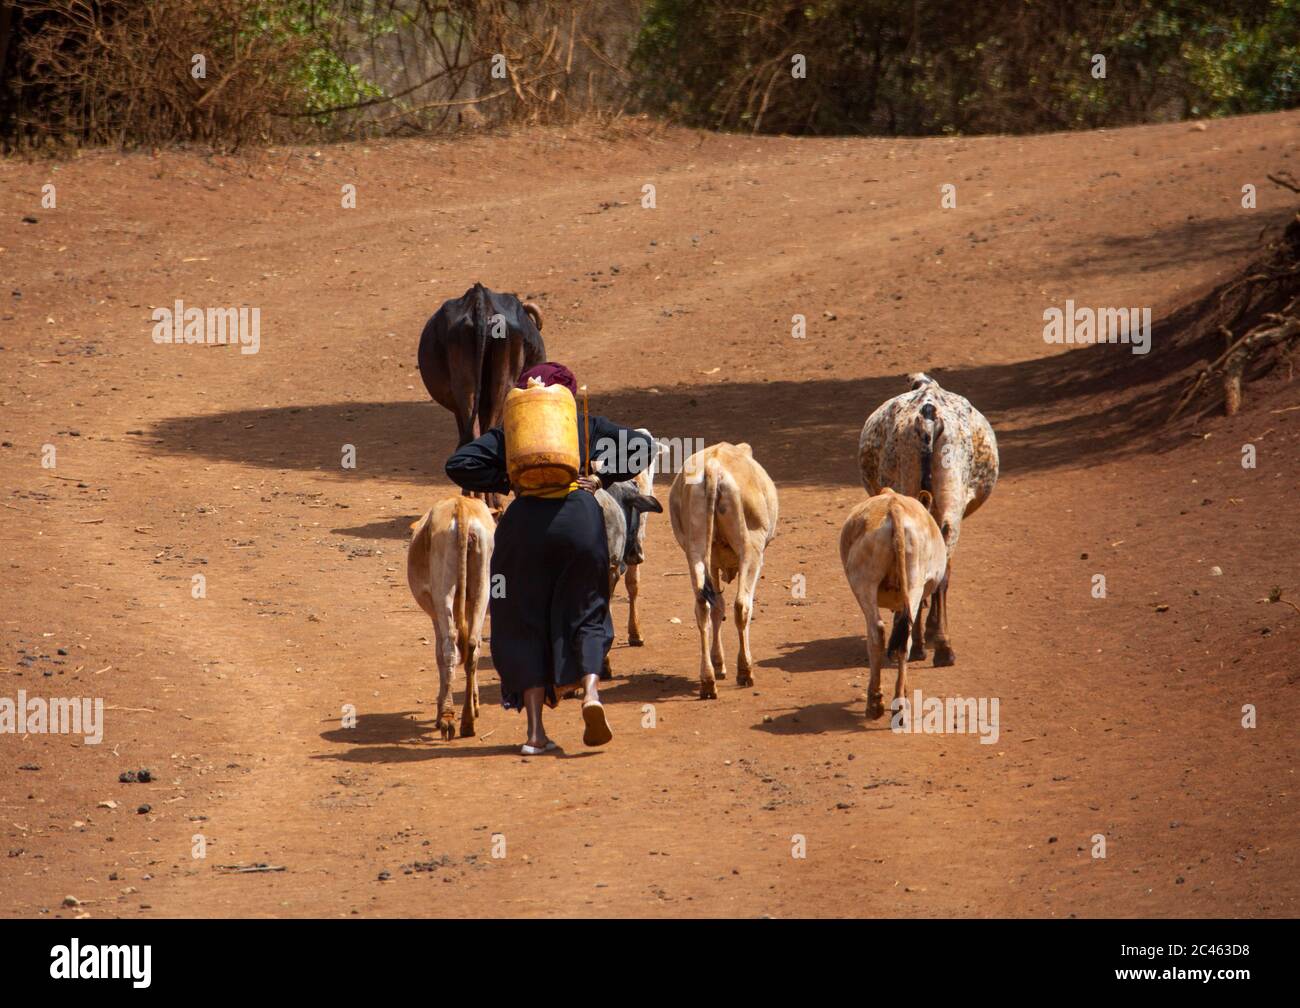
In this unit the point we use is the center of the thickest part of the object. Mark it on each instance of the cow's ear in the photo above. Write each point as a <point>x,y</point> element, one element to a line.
<point>642,502</point>
<point>926,498</point>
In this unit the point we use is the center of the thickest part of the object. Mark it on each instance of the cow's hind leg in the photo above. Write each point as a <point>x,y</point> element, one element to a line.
<point>708,685</point>
<point>876,658</point>
<point>932,618</point>
<point>904,630</point>
<point>445,641</point>
<point>938,623</point>
<point>716,615</point>
<point>751,565</point>
<point>907,626</point>
<point>900,684</point>
<point>919,635</point>
<point>913,603</point>
<point>898,636</point>
<point>606,669</point>
<point>897,630</point>
<point>634,638</point>
<point>866,596</point>
<point>469,710</point>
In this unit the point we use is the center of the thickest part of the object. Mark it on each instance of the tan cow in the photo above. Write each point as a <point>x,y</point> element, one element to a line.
<point>447,567</point>
<point>894,557</point>
<point>723,508</point>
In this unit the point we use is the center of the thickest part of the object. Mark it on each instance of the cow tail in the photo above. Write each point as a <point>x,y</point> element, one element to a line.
<point>480,350</point>
<point>462,575</point>
<point>927,451</point>
<point>900,563</point>
<point>709,593</point>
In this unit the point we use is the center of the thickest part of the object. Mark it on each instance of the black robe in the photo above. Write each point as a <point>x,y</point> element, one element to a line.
<point>550,606</point>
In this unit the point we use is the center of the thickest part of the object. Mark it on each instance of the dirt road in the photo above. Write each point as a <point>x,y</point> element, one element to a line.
<point>1118,717</point>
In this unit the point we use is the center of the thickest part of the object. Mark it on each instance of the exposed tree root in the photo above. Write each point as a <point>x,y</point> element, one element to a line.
<point>1257,316</point>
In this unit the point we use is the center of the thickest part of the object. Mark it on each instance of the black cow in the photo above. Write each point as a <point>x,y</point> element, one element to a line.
<point>472,352</point>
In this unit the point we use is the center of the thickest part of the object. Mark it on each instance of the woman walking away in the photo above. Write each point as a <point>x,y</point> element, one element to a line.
<point>551,627</point>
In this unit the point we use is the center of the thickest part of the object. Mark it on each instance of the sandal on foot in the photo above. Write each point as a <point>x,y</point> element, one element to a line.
<point>597,731</point>
<point>529,750</point>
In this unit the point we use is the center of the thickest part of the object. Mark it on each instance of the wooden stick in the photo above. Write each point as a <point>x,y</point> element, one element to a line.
<point>1283,179</point>
<point>586,435</point>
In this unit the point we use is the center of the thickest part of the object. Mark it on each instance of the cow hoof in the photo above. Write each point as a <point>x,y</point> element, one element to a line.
<point>635,642</point>
<point>744,679</point>
<point>447,728</point>
<point>944,656</point>
<point>467,729</point>
<point>875,709</point>
<point>918,654</point>
<point>708,691</point>
<point>720,674</point>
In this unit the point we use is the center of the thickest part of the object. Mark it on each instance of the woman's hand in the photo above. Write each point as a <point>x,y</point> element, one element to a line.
<point>589,483</point>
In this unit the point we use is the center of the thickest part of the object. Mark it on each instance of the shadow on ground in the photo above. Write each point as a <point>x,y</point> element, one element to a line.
<point>817,719</point>
<point>404,737</point>
<point>390,528</point>
<point>821,655</point>
<point>1197,240</point>
<point>1064,409</point>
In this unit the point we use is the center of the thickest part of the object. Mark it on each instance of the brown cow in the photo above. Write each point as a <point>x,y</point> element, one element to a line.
<point>447,567</point>
<point>894,557</point>
<point>723,508</point>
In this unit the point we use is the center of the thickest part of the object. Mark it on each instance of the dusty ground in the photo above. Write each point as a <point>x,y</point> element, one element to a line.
<point>1116,718</point>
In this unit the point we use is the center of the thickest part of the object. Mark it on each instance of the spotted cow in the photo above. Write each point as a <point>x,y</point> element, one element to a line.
<point>929,439</point>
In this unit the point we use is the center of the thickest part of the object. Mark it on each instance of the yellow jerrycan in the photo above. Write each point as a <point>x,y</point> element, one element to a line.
<point>541,427</point>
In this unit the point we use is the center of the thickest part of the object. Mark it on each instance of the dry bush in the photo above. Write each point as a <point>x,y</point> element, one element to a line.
<point>448,64</point>
<point>120,73</point>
